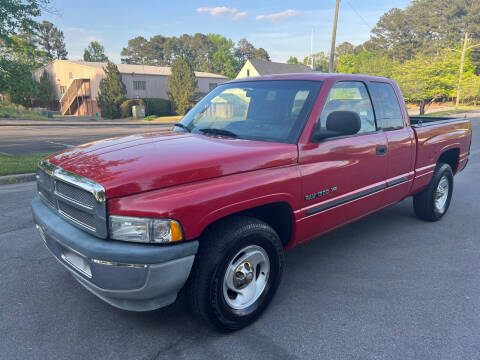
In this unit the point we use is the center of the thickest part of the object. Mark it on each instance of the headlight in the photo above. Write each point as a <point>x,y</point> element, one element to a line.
<point>144,230</point>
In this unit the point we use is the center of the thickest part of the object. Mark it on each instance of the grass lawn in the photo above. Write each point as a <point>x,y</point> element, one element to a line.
<point>164,119</point>
<point>20,164</point>
<point>452,111</point>
<point>14,112</point>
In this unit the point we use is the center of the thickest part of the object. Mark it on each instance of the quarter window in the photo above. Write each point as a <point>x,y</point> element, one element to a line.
<point>349,96</point>
<point>387,109</point>
<point>139,85</point>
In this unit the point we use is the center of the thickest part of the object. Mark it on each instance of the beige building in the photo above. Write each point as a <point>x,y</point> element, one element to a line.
<point>77,83</point>
<point>261,67</point>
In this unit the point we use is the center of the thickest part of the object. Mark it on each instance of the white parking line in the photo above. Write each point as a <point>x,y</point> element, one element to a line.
<point>57,143</point>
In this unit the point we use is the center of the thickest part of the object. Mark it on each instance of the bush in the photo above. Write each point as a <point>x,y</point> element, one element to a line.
<point>126,107</point>
<point>159,107</point>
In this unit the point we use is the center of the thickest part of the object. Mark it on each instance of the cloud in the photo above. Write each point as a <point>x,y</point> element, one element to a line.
<point>276,17</point>
<point>222,11</point>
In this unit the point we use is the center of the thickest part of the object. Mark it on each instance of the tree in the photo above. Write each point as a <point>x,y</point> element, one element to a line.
<point>344,48</point>
<point>17,82</point>
<point>223,58</point>
<point>95,52</point>
<point>322,61</point>
<point>182,85</point>
<point>46,91</point>
<point>138,51</point>
<point>112,92</point>
<point>246,51</point>
<point>18,15</point>
<point>292,60</point>
<point>51,40</point>
<point>366,62</point>
<point>426,78</point>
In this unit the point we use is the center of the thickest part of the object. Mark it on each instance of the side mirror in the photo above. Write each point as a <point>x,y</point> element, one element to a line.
<point>339,123</point>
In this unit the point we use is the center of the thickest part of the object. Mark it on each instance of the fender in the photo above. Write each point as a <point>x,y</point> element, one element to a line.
<point>214,199</point>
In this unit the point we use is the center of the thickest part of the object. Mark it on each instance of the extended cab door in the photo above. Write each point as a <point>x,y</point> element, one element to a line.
<point>400,140</point>
<point>343,178</point>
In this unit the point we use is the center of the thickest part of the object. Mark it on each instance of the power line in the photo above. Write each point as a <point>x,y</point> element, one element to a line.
<point>360,16</point>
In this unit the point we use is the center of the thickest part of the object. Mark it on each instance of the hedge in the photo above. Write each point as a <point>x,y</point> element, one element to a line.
<point>160,107</point>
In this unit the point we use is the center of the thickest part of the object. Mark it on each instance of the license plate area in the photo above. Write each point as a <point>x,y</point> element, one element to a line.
<point>77,262</point>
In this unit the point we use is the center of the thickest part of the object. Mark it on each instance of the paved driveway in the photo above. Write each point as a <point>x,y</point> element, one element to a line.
<point>388,286</point>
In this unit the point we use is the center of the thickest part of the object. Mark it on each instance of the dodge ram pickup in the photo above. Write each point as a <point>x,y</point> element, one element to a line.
<point>258,166</point>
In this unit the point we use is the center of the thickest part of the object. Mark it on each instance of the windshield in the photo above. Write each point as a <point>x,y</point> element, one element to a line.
<point>272,110</point>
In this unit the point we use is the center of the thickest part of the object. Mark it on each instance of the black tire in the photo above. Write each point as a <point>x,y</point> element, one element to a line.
<point>220,244</point>
<point>424,202</point>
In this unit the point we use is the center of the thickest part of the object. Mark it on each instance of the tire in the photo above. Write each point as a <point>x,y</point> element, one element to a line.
<point>229,244</point>
<point>425,203</point>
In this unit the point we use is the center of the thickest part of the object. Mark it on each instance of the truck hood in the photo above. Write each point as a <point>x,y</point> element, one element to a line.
<point>138,163</point>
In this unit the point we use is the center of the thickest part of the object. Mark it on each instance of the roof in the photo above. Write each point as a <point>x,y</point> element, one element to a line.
<point>143,69</point>
<point>268,67</point>
<point>315,76</point>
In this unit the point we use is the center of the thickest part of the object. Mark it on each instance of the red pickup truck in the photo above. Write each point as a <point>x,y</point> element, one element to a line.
<point>258,166</point>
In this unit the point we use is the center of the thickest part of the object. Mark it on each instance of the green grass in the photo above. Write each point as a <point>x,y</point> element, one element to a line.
<point>18,112</point>
<point>165,119</point>
<point>20,164</point>
<point>452,111</point>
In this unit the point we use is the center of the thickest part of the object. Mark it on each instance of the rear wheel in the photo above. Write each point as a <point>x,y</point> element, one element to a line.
<point>236,272</point>
<point>433,202</point>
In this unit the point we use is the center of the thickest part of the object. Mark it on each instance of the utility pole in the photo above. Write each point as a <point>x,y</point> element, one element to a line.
<point>334,35</point>
<point>462,62</point>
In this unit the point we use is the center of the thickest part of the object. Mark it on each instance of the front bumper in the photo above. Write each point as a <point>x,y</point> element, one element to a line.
<point>136,277</point>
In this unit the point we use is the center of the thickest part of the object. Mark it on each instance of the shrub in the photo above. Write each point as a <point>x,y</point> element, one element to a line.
<point>126,107</point>
<point>159,107</point>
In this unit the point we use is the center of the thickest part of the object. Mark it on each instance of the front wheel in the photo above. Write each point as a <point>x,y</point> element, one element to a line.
<point>236,272</point>
<point>433,202</point>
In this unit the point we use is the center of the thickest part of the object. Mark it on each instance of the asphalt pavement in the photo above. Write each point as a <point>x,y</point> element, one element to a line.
<point>388,286</point>
<point>24,137</point>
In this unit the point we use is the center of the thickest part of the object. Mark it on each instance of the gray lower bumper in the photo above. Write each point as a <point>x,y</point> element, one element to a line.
<point>137,277</point>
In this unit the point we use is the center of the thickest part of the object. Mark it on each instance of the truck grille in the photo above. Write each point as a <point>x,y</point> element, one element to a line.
<point>79,200</point>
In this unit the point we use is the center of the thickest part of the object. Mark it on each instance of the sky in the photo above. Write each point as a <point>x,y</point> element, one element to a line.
<point>283,28</point>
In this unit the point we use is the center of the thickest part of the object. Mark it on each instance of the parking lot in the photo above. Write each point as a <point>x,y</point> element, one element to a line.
<point>22,137</point>
<point>388,286</point>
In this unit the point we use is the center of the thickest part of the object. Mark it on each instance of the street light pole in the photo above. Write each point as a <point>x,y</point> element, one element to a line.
<point>462,62</point>
<point>334,35</point>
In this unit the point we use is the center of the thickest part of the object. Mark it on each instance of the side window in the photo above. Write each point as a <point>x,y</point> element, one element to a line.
<point>387,109</point>
<point>349,96</point>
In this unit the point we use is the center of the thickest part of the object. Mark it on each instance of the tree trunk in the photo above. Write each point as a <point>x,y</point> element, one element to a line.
<point>422,107</point>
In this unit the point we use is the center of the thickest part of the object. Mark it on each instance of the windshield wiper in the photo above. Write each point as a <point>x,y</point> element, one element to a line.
<point>180,125</point>
<point>220,132</point>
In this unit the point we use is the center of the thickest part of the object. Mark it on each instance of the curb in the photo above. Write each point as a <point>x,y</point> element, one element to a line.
<point>16,179</point>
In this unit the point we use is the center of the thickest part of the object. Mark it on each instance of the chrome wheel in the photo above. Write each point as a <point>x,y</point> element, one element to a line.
<point>246,277</point>
<point>441,194</point>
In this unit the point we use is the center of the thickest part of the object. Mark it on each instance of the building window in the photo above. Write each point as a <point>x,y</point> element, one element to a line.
<point>140,85</point>
<point>70,75</point>
<point>248,72</point>
<point>212,86</point>
<point>63,89</point>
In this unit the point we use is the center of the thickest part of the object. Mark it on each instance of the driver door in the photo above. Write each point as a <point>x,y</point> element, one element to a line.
<point>343,178</point>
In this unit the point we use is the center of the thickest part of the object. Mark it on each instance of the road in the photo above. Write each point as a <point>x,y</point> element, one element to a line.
<point>43,139</point>
<point>388,286</point>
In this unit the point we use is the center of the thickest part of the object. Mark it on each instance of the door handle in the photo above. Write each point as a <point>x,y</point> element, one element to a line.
<point>381,150</point>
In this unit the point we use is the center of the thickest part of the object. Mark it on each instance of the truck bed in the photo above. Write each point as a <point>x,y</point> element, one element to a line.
<point>436,136</point>
<point>416,121</point>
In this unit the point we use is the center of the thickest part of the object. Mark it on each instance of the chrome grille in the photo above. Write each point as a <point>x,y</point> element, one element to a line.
<point>73,193</point>
<point>79,200</point>
<point>85,219</point>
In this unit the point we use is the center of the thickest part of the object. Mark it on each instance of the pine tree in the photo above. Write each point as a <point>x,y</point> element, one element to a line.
<point>182,86</point>
<point>112,92</point>
<point>46,91</point>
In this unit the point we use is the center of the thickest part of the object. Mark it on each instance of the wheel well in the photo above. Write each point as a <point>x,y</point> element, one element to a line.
<point>278,215</point>
<point>450,157</point>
